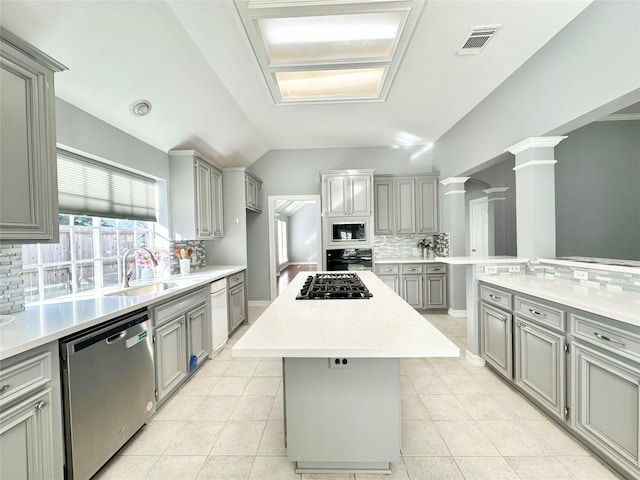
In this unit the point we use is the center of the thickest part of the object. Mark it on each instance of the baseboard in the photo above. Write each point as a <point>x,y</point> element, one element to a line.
<point>475,360</point>
<point>259,303</point>
<point>457,313</point>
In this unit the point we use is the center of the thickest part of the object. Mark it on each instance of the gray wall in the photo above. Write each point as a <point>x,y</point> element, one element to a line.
<point>303,240</point>
<point>83,133</point>
<point>296,172</point>
<point>598,191</point>
<point>590,63</point>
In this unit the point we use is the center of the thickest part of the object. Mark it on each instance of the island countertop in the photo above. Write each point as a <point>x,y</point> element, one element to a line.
<point>383,326</point>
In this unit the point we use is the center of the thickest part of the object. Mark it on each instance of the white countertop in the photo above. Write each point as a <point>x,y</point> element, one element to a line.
<point>454,260</point>
<point>610,265</point>
<point>408,260</point>
<point>618,305</point>
<point>383,326</point>
<point>55,319</point>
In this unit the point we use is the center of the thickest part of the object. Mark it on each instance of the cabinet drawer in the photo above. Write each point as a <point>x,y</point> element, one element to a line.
<point>387,269</point>
<point>24,377</point>
<point>541,313</point>
<point>435,269</point>
<point>236,279</point>
<point>608,337</point>
<point>167,311</point>
<point>412,269</point>
<point>495,296</point>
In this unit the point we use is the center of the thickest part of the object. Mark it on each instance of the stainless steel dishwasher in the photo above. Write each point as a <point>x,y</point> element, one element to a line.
<point>108,390</point>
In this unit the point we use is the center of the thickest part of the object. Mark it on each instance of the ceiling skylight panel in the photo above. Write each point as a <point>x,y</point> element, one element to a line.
<point>368,36</point>
<point>356,83</point>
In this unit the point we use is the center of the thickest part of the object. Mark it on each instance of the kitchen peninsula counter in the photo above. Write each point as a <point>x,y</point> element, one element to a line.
<point>341,373</point>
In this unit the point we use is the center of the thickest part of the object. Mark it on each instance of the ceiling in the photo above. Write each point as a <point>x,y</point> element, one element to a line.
<point>192,60</point>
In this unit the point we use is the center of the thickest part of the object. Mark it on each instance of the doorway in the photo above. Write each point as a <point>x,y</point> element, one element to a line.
<point>479,227</point>
<point>293,242</point>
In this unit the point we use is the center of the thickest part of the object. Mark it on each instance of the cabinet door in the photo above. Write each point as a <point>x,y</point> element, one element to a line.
<point>204,200</point>
<point>392,281</point>
<point>217,208</point>
<point>258,198</point>
<point>335,187</point>
<point>171,356</point>
<point>496,339</point>
<point>28,174</point>
<point>606,404</point>
<point>412,290</point>
<point>427,205</point>
<point>250,191</point>
<point>359,198</point>
<point>383,206</point>
<point>199,334</point>
<point>435,291</point>
<point>26,440</point>
<point>405,216</point>
<point>236,306</point>
<point>540,363</point>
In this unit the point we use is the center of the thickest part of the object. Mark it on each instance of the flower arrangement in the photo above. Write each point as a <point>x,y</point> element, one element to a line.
<point>426,244</point>
<point>143,259</point>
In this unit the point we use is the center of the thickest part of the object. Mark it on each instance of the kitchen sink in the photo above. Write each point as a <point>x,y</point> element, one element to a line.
<point>148,289</point>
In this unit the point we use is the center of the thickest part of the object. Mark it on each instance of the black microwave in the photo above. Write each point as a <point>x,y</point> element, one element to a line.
<point>348,232</point>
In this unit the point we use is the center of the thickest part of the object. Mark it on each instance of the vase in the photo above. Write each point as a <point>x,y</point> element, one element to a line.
<point>146,274</point>
<point>430,255</point>
<point>185,266</point>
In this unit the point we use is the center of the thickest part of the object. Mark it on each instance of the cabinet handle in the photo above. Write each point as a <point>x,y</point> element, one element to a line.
<point>540,314</point>
<point>4,388</point>
<point>495,297</point>
<point>41,405</point>
<point>181,322</point>
<point>608,339</point>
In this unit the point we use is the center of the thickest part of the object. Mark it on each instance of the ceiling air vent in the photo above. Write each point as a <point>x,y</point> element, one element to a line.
<point>477,39</point>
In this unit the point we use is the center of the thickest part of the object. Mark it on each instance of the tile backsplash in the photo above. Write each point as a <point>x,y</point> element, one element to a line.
<point>198,259</point>
<point>401,246</point>
<point>11,285</point>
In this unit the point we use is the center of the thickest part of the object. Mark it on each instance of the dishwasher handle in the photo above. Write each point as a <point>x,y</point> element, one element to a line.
<point>116,337</point>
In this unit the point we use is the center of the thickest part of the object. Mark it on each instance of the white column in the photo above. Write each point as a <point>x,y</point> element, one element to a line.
<point>535,196</point>
<point>452,221</point>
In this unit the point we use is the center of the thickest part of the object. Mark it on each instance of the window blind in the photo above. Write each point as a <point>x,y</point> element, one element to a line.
<point>89,187</point>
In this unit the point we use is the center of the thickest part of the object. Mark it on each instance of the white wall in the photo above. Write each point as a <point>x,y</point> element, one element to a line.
<point>303,240</point>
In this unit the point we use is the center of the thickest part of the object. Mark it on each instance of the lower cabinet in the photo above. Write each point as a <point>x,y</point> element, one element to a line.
<point>237,301</point>
<point>31,437</point>
<point>584,374</point>
<point>182,340</point>
<point>496,333</point>
<point>606,405</point>
<point>540,365</point>
<point>421,285</point>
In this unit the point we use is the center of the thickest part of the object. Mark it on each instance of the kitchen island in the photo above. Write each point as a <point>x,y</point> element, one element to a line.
<point>341,372</point>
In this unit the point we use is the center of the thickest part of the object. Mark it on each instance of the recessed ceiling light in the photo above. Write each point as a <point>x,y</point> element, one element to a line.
<point>140,108</point>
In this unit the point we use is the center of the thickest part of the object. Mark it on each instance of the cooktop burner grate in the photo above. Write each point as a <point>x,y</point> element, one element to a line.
<point>327,286</point>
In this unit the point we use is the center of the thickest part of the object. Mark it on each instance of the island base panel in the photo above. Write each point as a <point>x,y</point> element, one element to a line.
<point>344,419</point>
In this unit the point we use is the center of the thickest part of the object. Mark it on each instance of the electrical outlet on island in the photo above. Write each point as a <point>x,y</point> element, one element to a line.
<point>490,269</point>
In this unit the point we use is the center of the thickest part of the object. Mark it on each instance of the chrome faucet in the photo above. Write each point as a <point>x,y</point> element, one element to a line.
<point>126,275</point>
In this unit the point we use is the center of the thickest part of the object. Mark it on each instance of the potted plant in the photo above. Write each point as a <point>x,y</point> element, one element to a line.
<point>427,248</point>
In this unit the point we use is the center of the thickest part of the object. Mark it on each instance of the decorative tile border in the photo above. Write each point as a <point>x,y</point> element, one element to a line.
<point>11,283</point>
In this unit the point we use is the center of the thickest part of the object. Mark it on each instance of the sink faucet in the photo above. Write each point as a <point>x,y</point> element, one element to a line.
<point>126,275</point>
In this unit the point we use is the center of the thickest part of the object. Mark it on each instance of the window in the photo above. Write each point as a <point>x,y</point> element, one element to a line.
<point>88,256</point>
<point>283,250</point>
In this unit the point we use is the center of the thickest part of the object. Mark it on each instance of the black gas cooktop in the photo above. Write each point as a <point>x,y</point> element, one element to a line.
<point>327,286</point>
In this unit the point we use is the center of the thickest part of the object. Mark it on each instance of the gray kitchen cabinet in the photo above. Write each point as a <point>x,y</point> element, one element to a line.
<point>496,335</point>
<point>181,330</point>
<point>253,192</point>
<point>427,205</point>
<point>31,437</point>
<point>435,292</point>
<point>28,173</point>
<point>237,301</point>
<point>390,275</point>
<point>411,284</point>
<point>405,205</point>
<point>195,196</point>
<point>347,194</point>
<point>540,365</point>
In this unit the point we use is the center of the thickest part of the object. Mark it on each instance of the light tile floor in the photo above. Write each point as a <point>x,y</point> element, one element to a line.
<point>458,422</point>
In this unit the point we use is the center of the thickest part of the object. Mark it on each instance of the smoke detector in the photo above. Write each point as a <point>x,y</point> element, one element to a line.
<point>477,38</point>
<point>140,108</point>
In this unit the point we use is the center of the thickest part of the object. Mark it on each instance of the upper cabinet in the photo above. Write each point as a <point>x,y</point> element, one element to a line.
<point>253,192</point>
<point>347,193</point>
<point>405,205</point>
<point>195,196</point>
<point>28,175</point>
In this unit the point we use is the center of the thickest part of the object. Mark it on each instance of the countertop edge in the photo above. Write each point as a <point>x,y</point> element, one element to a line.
<point>185,283</point>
